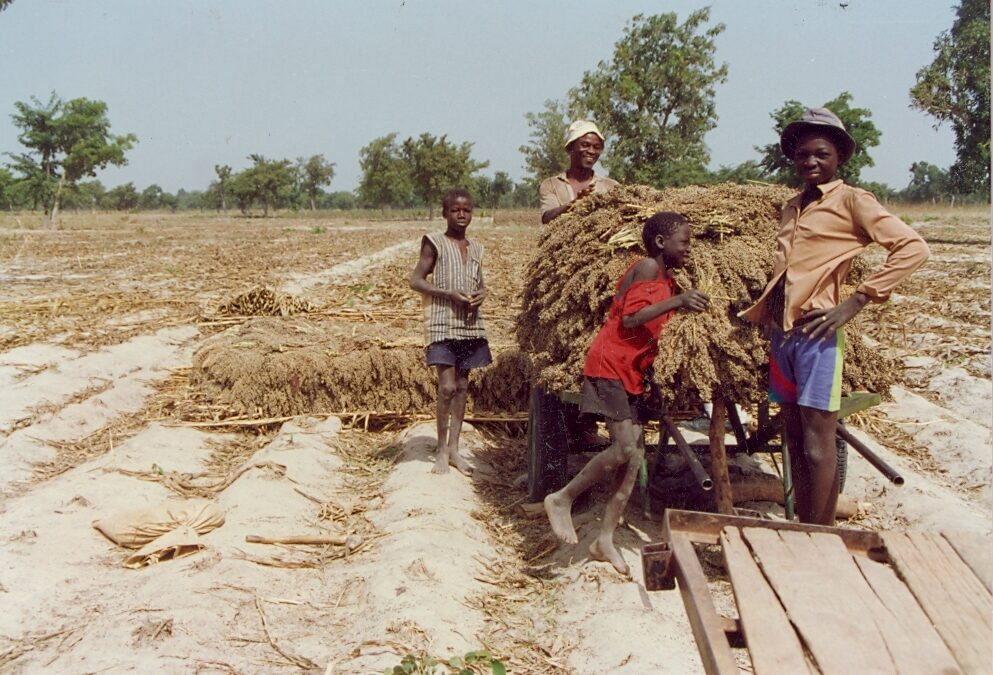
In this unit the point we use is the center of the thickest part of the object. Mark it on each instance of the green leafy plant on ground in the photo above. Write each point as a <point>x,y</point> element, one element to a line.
<point>479,662</point>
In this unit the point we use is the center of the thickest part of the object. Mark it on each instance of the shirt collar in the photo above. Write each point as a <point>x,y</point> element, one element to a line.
<point>562,177</point>
<point>825,189</point>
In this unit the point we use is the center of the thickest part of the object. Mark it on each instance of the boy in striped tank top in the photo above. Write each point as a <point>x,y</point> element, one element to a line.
<point>455,334</point>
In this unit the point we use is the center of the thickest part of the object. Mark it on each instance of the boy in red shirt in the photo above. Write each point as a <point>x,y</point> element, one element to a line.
<point>614,377</point>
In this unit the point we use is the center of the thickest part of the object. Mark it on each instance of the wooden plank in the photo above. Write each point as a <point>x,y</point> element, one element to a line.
<point>856,402</point>
<point>705,528</point>
<point>976,552</point>
<point>906,649</point>
<point>910,638</point>
<point>772,643</point>
<point>708,628</point>
<point>821,602</point>
<point>956,602</point>
<point>718,456</point>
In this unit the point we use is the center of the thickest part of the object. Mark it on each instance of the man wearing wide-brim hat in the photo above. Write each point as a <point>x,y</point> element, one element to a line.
<point>821,232</point>
<point>584,145</point>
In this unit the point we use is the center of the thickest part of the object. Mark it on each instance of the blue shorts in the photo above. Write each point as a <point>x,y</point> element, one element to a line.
<point>463,354</point>
<point>804,371</point>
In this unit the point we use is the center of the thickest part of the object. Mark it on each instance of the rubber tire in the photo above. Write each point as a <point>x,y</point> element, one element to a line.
<point>842,448</point>
<point>548,445</point>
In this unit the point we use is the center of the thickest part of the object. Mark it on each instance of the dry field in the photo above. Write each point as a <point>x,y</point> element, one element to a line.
<point>99,322</point>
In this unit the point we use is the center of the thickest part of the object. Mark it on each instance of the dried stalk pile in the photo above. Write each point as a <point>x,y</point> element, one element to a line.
<point>263,301</point>
<point>570,281</point>
<point>275,367</point>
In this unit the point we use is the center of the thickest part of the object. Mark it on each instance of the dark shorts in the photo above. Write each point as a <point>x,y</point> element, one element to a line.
<point>601,396</point>
<point>463,354</point>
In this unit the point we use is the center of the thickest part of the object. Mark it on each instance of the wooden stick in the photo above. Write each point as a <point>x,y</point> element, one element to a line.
<point>718,457</point>
<point>319,539</point>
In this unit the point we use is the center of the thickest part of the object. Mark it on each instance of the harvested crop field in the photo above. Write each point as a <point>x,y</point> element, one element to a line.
<point>117,333</point>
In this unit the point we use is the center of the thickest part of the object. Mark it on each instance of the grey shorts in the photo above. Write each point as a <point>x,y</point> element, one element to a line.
<point>463,354</point>
<point>601,396</point>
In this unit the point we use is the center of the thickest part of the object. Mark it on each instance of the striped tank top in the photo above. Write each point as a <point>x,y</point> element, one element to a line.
<point>445,320</point>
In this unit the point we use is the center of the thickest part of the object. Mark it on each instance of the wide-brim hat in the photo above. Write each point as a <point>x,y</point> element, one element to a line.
<point>818,119</point>
<point>580,128</point>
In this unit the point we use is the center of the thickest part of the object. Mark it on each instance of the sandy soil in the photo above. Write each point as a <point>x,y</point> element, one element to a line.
<point>438,565</point>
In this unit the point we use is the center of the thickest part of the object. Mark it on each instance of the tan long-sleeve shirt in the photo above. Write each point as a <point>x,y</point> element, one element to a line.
<point>815,248</point>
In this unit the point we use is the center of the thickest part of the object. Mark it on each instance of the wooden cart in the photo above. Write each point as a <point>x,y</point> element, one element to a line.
<point>549,443</point>
<point>815,599</point>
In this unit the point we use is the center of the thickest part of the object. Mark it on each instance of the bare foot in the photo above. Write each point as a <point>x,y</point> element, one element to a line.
<point>604,551</point>
<point>458,461</point>
<point>559,512</point>
<point>440,462</point>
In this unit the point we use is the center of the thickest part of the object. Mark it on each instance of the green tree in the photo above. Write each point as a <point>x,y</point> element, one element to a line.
<point>7,190</point>
<point>151,198</point>
<point>778,168</point>
<point>435,166</point>
<point>223,177</point>
<point>748,171</point>
<point>489,192</point>
<point>544,154</point>
<point>84,195</point>
<point>928,183</point>
<point>122,198</point>
<point>66,140</point>
<point>655,99</point>
<point>955,88</point>
<point>340,200</point>
<point>314,173</point>
<point>269,183</point>
<point>385,178</point>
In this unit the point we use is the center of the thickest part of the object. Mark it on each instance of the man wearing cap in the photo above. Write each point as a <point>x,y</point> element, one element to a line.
<point>584,145</point>
<point>821,232</point>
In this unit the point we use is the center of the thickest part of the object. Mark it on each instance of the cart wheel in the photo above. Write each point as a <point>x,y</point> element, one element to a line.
<point>547,445</point>
<point>842,448</point>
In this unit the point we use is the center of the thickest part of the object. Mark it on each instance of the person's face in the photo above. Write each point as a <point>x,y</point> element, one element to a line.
<point>459,213</point>
<point>816,159</point>
<point>585,151</point>
<point>676,247</point>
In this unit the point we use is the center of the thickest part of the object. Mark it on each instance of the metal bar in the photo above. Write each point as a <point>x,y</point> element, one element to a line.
<point>737,427</point>
<point>789,496</point>
<point>708,628</point>
<point>878,462</point>
<point>699,473</point>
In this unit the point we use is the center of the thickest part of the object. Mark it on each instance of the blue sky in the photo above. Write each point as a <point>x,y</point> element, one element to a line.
<point>210,82</point>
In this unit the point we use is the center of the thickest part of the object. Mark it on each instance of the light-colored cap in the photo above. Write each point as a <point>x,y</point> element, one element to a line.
<point>821,119</point>
<point>580,128</point>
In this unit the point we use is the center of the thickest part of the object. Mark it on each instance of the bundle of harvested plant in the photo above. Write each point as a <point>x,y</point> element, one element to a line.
<point>570,281</point>
<point>262,301</point>
<point>275,367</point>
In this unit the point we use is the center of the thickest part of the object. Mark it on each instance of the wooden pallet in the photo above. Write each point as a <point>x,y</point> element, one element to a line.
<point>815,599</point>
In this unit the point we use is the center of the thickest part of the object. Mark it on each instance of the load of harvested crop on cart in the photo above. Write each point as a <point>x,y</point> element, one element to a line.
<point>568,288</point>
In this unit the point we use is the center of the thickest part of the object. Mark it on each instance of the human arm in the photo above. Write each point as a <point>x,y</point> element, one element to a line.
<point>692,300</point>
<point>424,267</point>
<point>476,299</point>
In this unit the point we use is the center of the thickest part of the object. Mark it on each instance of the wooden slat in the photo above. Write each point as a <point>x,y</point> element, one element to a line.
<point>708,629</point>
<point>958,604</point>
<point>773,645</point>
<point>910,638</point>
<point>976,551</point>
<point>821,602</point>
<point>718,456</point>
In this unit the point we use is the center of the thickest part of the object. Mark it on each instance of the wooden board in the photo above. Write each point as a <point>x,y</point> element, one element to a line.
<point>708,629</point>
<point>956,601</point>
<point>976,552</point>
<point>827,604</point>
<point>772,643</point>
<point>910,638</point>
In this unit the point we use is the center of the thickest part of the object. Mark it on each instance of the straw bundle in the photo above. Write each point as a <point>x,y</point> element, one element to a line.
<point>571,277</point>
<point>277,367</point>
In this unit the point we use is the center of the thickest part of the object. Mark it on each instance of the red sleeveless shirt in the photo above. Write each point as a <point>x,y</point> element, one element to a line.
<point>625,354</point>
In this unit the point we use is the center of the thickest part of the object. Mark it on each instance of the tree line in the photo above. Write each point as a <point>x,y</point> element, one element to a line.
<point>654,100</point>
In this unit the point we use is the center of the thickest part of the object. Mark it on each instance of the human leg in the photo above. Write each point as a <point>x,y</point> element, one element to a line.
<point>558,505</point>
<point>447,387</point>
<point>821,458</point>
<point>456,415</point>
<point>603,547</point>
